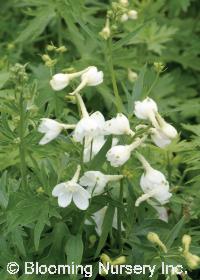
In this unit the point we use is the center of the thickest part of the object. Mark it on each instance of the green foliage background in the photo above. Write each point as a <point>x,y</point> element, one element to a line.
<point>32,225</point>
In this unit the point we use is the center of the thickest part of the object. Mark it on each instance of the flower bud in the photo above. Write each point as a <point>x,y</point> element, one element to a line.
<point>61,49</point>
<point>118,126</point>
<point>105,32</point>
<point>46,57</point>
<point>193,261</point>
<point>105,258</point>
<point>120,154</point>
<point>169,131</point>
<point>119,261</point>
<point>154,238</point>
<point>159,66</point>
<point>50,48</point>
<point>92,240</point>
<point>40,190</point>
<point>124,3</point>
<point>159,138</point>
<point>166,128</point>
<point>59,81</point>
<point>132,76</point>
<point>132,14</point>
<point>186,241</point>
<point>50,63</point>
<point>124,17</point>
<point>146,110</point>
<point>10,46</point>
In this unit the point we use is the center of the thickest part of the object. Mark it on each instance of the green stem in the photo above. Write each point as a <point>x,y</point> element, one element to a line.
<point>169,168</point>
<point>22,152</point>
<point>153,84</point>
<point>112,73</point>
<point>82,152</point>
<point>91,147</point>
<point>59,27</point>
<point>119,218</point>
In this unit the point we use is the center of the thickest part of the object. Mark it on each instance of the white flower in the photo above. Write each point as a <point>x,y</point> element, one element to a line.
<point>115,141</point>
<point>52,129</point>
<point>161,211</point>
<point>98,218</point>
<point>96,181</point>
<point>146,110</point>
<point>119,154</point>
<point>90,126</point>
<point>166,128</point>
<point>92,77</point>
<point>124,17</point>
<point>71,190</point>
<point>163,135</point>
<point>92,146</point>
<point>60,81</point>
<point>153,184</point>
<point>118,126</point>
<point>159,138</point>
<point>132,14</point>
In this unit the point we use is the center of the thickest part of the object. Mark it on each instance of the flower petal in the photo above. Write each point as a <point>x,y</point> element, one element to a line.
<point>49,136</point>
<point>58,189</point>
<point>81,198</point>
<point>65,199</point>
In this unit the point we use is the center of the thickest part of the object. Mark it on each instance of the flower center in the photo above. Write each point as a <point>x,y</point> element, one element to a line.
<point>71,187</point>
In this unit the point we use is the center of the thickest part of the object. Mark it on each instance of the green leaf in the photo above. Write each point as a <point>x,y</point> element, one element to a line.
<point>154,36</point>
<point>17,237</point>
<point>74,250</point>
<point>139,85</point>
<point>99,159</point>
<point>193,128</point>
<point>3,193</point>
<point>106,227</point>
<point>174,233</point>
<point>125,40</point>
<point>43,219</point>
<point>4,76</point>
<point>37,25</point>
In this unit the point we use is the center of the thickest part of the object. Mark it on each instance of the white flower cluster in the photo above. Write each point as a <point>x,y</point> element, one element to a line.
<point>129,14</point>
<point>162,133</point>
<point>154,185</point>
<point>119,12</point>
<point>92,130</point>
